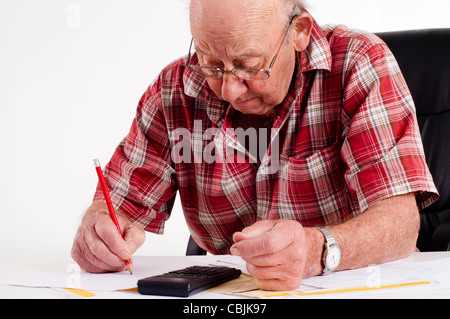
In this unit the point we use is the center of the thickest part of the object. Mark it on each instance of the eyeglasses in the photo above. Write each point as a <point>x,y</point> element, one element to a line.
<point>245,74</point>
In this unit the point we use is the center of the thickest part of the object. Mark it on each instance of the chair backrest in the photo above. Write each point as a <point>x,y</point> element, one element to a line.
<point>193,249</point>
<point>424,58</point>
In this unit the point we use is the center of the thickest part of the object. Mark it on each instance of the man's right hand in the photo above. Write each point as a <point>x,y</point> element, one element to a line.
<point>98,247</point>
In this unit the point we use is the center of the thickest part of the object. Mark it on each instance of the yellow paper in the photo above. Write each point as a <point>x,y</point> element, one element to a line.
<point>246,286</point>
<point>80,292</point>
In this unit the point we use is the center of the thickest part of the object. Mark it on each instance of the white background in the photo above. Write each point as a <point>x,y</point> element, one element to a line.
<point>71,75</point>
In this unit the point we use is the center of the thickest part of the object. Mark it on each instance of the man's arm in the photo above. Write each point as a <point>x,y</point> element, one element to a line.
<point>98,247</point>
<point>280,253</point>
<point>386,232</point>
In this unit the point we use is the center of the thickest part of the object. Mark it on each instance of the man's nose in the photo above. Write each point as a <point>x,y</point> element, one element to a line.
<point>232,87</point>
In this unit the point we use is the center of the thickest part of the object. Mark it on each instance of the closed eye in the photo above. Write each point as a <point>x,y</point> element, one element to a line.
<point>241,63</point>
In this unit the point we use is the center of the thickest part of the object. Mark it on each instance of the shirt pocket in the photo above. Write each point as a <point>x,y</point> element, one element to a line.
<point>312,189</point>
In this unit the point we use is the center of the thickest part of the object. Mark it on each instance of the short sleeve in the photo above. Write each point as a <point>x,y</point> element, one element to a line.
<point>140,174</point>
<point>382,145</point>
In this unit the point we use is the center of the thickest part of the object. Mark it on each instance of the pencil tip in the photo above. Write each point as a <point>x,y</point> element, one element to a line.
<point>130,269</point>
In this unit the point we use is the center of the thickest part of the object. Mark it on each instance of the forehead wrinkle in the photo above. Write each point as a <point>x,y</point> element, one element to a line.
<point>230,19</point>
<point>234,30</point>
<point>236,51</point>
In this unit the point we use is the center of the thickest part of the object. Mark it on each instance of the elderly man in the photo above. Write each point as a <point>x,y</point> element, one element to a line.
<point>336,179</point>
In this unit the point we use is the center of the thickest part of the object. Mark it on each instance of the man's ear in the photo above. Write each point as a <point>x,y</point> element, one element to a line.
<point>301,31</point>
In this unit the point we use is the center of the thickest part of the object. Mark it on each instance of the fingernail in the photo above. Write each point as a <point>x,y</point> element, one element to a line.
<point>125,255</point>
<point>132,246</point>
<point>235,251</point>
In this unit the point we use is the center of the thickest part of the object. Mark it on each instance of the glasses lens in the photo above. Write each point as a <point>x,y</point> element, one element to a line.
<point>240,73</point>
<point>207,72</point>
<point>251,74</point>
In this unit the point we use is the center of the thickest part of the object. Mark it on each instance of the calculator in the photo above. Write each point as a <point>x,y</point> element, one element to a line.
<point>184,282</point>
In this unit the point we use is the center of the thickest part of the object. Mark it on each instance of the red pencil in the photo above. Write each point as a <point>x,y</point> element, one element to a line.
<point>111,210</point>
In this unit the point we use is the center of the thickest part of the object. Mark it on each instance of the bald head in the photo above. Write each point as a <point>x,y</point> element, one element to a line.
<point>235,17</point>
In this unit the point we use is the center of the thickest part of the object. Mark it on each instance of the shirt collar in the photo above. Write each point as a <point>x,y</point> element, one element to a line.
<point>197,87</point>
<point>317,55</point>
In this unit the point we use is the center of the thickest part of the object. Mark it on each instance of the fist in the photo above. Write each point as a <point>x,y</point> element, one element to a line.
<point>98,246</point>
<point>275,252</point>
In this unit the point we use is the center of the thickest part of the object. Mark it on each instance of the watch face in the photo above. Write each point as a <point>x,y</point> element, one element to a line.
<point>333,257</point>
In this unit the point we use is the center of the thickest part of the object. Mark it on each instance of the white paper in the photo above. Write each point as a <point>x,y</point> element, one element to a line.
<point>378,276</point>
<point>401,276</point>
<point>73,277</point>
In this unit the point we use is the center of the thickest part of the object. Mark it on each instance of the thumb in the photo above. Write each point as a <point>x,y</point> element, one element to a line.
<point>255,230</point>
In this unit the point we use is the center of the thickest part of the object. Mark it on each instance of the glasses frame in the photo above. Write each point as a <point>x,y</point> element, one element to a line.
<point>197,68</point>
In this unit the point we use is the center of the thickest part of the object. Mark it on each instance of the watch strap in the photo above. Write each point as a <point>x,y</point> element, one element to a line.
<point>329,238</point>
<point>329,241</point>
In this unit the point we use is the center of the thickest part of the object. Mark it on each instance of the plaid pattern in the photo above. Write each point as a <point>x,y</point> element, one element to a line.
<point>346,133</point>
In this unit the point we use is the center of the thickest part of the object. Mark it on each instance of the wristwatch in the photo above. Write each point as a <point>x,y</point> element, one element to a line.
<point>332,253</point>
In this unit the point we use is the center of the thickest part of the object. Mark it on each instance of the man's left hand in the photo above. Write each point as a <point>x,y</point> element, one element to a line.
<point>276,252</point>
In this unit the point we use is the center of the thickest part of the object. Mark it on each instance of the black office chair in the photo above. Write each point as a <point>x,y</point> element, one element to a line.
<point>193,249</point>
<point>424,58</point>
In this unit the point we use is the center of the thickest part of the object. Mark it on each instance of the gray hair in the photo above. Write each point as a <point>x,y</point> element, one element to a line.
<point>290,6</point>
<point>301,4</point>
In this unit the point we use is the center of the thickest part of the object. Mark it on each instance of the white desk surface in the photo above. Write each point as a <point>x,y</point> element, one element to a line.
<point>12,269</point>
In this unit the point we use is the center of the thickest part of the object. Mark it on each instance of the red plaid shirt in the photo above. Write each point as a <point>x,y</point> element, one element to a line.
<point>347,137</point>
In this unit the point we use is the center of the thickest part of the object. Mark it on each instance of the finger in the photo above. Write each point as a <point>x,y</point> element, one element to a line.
<point>253,231</point>
<point>100,255</point>
<point>269,242</point>
<point>269,284</point>
<point>261,272</point>
<point>274,278</point>
<point>87,260</point>
<point>134,236</point>
<point>250,235</point>
<point>90,265</point>
<point>281,235</point>
<point>277,284</point>
<point>266,260</point>
<point>111,238</point>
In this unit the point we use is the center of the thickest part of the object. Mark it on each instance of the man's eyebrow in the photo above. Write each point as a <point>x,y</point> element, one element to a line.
<point>244,55</point>
<point>200,51</point>
<point>249,55</point>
